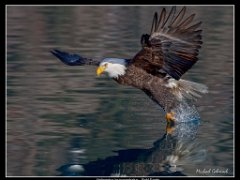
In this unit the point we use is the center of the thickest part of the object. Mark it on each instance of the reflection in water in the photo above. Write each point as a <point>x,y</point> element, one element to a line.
<point>166,158</point>
<point>77,154</point>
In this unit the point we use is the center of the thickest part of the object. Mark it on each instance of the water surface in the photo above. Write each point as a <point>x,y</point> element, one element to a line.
<point>64,120</point>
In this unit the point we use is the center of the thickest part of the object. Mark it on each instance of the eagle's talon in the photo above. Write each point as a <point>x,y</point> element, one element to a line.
<point>171,121</point>
<point>170,129</point>
<point>170,117</point>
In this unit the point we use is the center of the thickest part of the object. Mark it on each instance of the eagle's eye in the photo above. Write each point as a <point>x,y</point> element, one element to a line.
<point>105,65</point>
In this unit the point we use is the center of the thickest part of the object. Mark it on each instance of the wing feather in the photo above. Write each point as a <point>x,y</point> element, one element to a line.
<point>179,18</point>
<point>161,19</point>
<point>73,59</point>
<point>175,41</point>
<point>154,23</point>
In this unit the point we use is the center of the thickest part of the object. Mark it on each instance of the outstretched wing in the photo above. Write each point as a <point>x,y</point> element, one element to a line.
<point>73,59</point>
<point>174,42</point>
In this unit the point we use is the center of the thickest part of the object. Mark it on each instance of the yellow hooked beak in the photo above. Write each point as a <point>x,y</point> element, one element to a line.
<point>100,70</point>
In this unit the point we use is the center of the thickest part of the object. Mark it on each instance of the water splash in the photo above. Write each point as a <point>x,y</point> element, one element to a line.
<point>186,113</point>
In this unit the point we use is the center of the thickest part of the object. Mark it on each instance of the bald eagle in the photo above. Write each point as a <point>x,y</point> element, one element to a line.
<point>169,51</point>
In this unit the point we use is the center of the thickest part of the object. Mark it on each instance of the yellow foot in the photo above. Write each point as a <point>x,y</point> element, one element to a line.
<point>170,117</point>
<point>170,122</point>
<point>170,127</point>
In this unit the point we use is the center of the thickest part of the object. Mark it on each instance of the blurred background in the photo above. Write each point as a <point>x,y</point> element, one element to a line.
<point>59,115</point>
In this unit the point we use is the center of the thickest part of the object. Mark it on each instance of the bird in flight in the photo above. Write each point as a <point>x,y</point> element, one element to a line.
<point>168,51</point>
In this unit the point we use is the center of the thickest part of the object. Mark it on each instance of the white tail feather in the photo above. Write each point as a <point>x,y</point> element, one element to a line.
<point>186,89</point>
<point>191,90</point>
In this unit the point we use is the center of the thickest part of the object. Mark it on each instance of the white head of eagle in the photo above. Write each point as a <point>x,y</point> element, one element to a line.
<point>115,67</point>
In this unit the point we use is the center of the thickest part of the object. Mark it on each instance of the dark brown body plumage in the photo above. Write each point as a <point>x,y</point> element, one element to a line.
<point>153,86</point>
